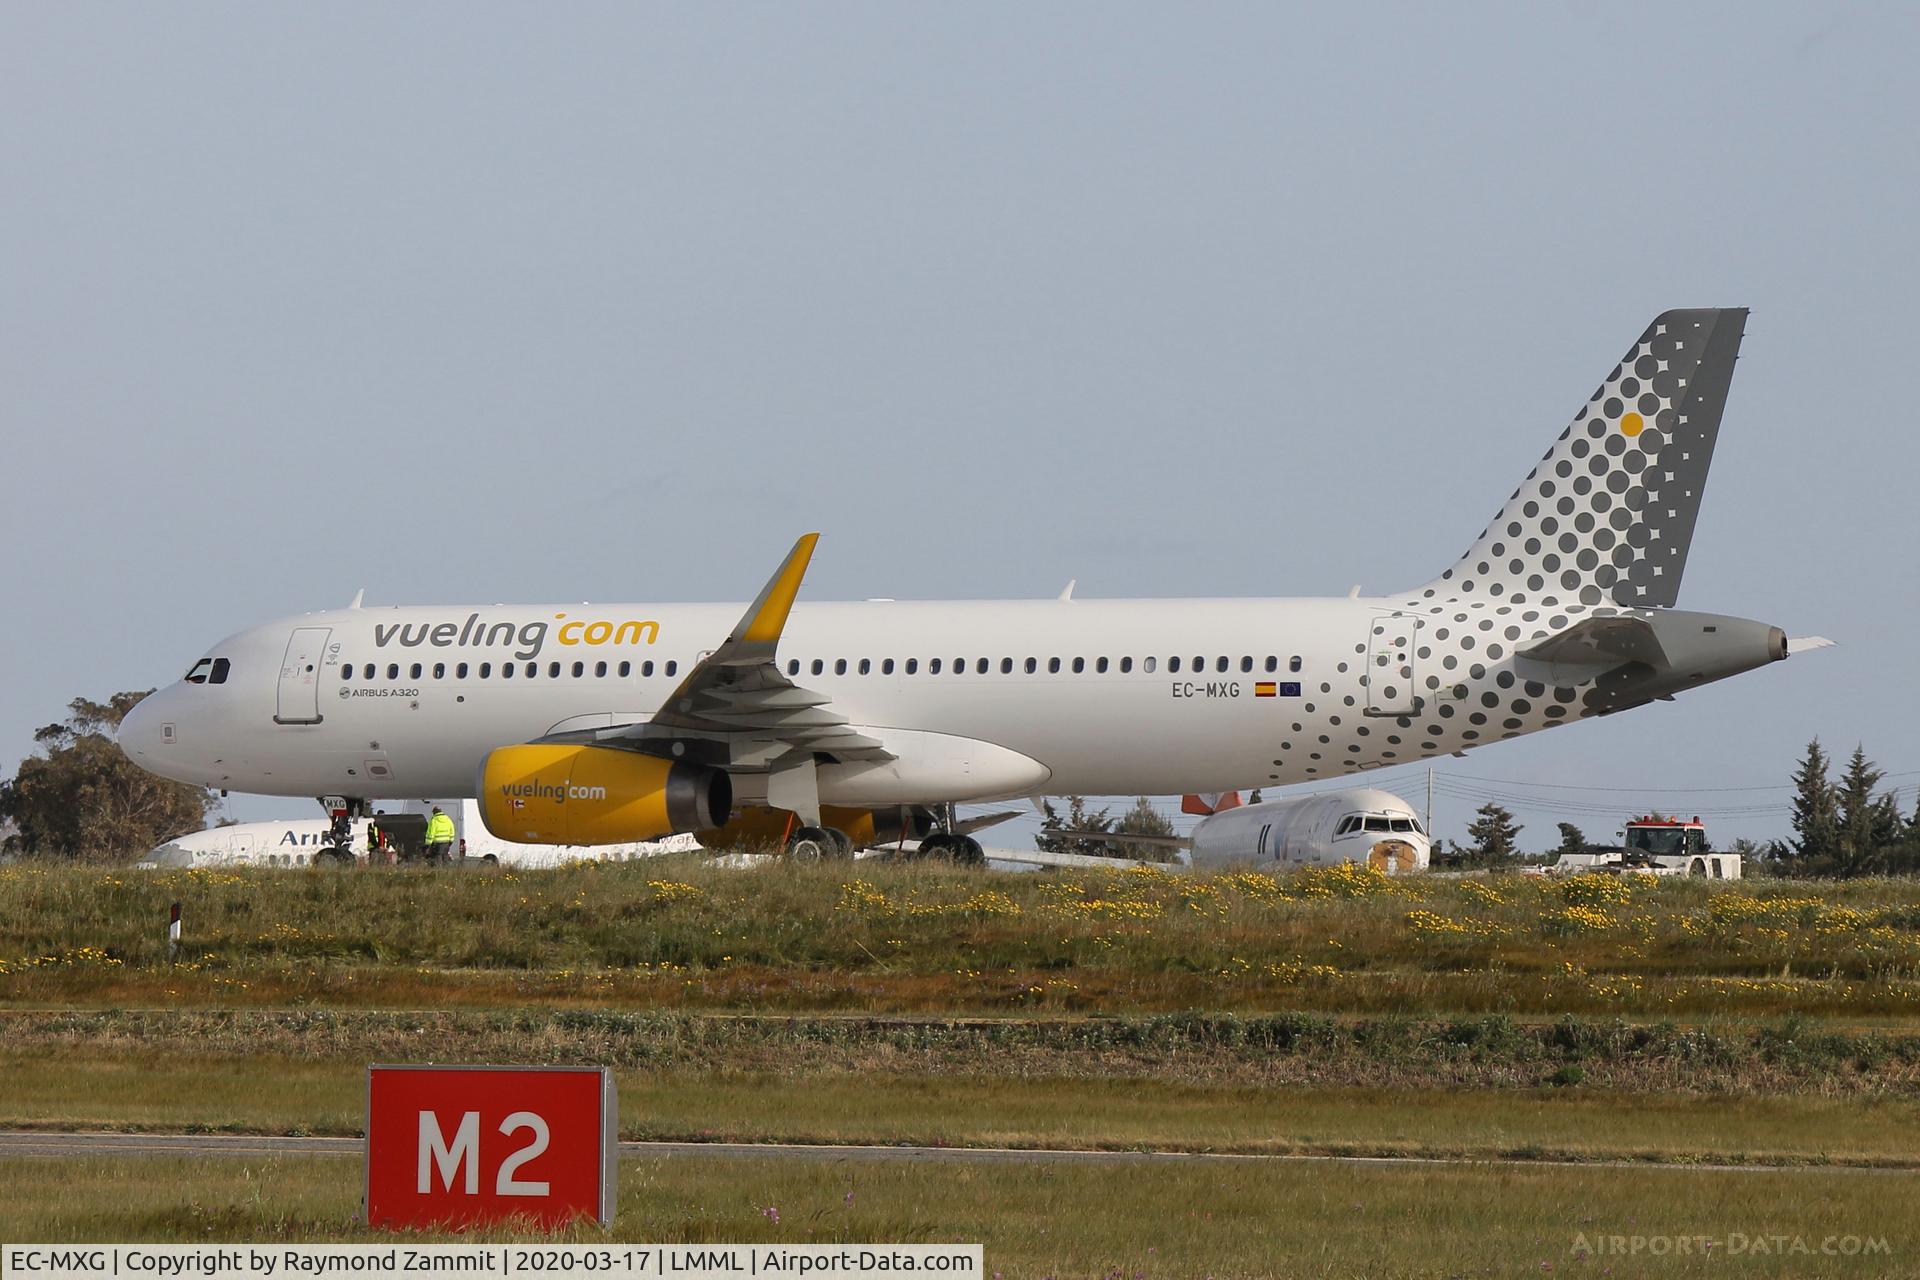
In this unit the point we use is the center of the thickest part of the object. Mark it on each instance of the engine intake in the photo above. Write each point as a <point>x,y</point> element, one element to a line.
<point>541,793</point>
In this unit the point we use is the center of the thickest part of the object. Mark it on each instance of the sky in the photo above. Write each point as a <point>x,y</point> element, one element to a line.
<point>478,302</point>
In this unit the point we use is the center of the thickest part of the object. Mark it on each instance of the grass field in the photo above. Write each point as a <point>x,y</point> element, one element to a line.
<point>1056,1219</point>
<point>1326,1012</point>
<point>676,933</point>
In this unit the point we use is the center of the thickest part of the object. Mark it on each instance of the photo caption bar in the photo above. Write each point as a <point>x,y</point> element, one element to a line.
<point>486,1261</point>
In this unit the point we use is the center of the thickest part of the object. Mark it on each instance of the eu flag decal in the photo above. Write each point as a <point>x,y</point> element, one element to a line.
<point>1289,688</point>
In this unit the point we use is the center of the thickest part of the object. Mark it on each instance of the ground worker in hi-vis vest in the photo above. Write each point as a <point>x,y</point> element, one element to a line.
<point>439,836</point>
<point>376,842</point>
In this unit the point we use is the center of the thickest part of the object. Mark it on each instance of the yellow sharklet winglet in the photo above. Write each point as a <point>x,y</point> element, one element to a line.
<point>767,616</point>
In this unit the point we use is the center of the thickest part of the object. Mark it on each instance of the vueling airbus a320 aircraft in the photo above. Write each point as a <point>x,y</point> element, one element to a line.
<point>595,724</point>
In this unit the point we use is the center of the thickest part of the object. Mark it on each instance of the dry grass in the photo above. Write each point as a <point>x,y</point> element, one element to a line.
<point>1053,1219</point>
<point>680,934</point>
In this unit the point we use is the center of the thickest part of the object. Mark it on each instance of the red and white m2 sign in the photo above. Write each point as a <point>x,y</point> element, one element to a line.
<point>461,1146</point>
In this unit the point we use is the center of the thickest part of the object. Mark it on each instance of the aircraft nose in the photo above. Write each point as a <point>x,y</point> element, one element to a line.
<point>139,732</point>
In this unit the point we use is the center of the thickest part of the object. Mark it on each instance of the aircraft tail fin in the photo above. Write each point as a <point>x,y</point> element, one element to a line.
<point>1210,803</point>
<point>1607,516</point>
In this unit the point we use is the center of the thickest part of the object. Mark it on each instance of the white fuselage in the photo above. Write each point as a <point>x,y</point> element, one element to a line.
<point>407,702</point>
<point>293,842</point>
<point>1359,825</point>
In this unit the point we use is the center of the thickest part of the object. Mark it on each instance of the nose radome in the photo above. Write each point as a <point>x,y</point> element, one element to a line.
<point>132,733</point>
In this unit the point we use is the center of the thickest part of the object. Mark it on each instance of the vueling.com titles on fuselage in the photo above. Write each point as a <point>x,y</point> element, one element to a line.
<point>531,637</point>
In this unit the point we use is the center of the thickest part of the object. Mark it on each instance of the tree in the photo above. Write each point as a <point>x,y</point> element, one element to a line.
<point>1816,820</point>
<point>1572,840</point>
<point>1493,834</point>
<point>1144,820</point>
<point>1077,820</point>
<point>80,798</point>
<point>1861,827</point>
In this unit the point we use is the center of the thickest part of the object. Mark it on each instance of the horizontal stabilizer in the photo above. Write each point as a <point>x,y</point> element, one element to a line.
<point>1601,642</point>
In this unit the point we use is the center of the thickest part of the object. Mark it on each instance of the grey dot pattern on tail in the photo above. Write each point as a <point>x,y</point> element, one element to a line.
<point>1607,516</point>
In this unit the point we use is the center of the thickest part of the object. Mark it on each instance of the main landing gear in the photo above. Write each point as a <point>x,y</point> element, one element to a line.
<point>818,844</point>
<point>962,851</point>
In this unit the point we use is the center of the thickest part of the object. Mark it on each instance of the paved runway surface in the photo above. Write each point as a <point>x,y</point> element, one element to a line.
<point>28,1143</point>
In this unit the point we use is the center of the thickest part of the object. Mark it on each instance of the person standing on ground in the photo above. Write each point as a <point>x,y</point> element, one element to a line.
<point>440,836</point>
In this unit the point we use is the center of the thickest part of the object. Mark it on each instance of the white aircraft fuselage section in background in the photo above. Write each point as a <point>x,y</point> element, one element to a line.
<point>1560,610</point>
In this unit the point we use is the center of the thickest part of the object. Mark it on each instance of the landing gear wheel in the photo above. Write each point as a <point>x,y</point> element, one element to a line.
<point>332,859</point>
<point>812,844</point>
<point>968,853</point>
<point>842,841</point>
<point>937,845</point>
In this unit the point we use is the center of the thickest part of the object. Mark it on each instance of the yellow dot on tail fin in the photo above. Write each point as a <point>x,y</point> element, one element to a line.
<point>1632,424</point>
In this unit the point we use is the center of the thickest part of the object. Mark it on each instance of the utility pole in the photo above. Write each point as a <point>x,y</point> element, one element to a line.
<point>1429,804</point>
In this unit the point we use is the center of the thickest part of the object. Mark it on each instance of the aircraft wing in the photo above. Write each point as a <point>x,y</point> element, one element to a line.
<point>736,709</point>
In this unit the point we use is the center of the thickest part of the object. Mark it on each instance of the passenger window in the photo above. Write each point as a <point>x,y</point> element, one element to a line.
<point>1126,665</point>
<point>1006,666</point>
<point>413,672</point>
<point>533,669</point>
<point>913,665</point>
<point>486,669</point>
<point>439,671</point>
<point>1293,663</point>
<point>346,672</point>
<point>1079,666</point>
<point>866,666</point>
<point>600,669</point>
<point>672,666</point>
<point>817,666</point>
<point>553,670</point>
<point>579,669</point>
<point>646,668</point>
<point>1147,665</point>
<point>886,666</point>
<point>197,673</point>
<point>933,667</point>
<point>506,671</point>
<point>1100,666</point>
<point>1053,665</point>
<point>1273,663</point>
<point>839,666</point>
<point>1246,664</point>
<point>1173,664</point>
<point>1033,665</point>
<point>1199,665</point>
<point>393,671</point>
<point>460,672</point>
<point>793,666</point>
<point>366,672</point>
<point>959,666</point>
<point>980,668</point>
<point>626,669</point>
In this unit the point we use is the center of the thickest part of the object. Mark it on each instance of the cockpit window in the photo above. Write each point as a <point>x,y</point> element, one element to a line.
<point>198,673</point>
<point>1347,824</point>
<point>1377,824</point>
<point>220,668</point>
<point>1403,824</point>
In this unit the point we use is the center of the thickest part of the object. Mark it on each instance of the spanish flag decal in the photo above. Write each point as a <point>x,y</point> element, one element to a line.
<point>1265,689</point>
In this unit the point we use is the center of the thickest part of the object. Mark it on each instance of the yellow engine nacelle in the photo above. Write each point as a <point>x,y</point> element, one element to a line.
<point>543,793</point>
